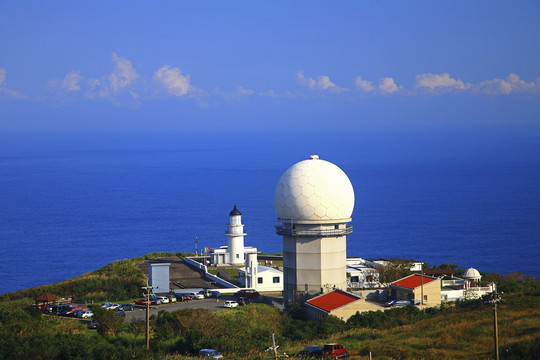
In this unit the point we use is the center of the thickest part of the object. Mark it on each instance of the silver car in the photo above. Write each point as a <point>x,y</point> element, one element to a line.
<point>209,354</point>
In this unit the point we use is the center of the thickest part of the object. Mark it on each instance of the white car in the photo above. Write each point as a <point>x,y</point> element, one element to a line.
<point>112,306</point>
<point>105,304</point>
<point>196,296</point>
<point>230,304</point>
<point>85,314</point>
<point>165,299</point>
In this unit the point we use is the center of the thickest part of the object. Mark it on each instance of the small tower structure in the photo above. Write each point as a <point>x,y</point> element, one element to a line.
<point>471,278</point>
<point>235,233</point>
<point>314,201</point>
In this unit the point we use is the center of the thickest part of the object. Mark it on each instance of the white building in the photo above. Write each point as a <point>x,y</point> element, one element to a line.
<point>235,252</point>
<point>258,277</point>
<point>468,288</point>
<point>314,201</point>
<point>158,276</point>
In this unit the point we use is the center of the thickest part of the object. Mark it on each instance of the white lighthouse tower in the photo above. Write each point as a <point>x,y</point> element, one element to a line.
<point>314,201</point>
<point>235,233</point>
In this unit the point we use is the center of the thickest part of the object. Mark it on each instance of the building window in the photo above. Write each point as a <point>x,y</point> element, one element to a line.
<point>275,280</point>
<point>259,280</point>
<point>238,256</point>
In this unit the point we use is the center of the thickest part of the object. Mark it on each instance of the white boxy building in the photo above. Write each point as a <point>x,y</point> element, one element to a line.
<point>258,277</point>
<point>158,276</point>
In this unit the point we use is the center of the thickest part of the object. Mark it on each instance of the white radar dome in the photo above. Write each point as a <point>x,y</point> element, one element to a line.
<point>314,190</point>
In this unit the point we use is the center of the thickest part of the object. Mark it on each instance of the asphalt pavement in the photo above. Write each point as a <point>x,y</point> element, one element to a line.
<point>209,303</point>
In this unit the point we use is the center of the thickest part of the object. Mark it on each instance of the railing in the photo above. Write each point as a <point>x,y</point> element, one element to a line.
<point>280,230</point>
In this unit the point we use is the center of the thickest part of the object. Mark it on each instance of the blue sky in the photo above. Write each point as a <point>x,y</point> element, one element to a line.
<point>381,67</point>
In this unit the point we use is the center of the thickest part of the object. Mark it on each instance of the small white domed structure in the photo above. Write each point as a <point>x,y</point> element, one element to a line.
<point>314,190</point>
<point>314,201</point>
<point>472,277</point>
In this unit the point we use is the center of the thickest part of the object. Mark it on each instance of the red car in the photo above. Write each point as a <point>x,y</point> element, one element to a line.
<point>141,302</point>
<point>334,351</point>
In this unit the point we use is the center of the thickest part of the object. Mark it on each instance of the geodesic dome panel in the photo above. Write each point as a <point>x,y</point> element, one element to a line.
<point>314,190</point>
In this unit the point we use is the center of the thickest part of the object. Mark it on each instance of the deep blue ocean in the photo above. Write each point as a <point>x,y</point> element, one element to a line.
<point>64,213</point>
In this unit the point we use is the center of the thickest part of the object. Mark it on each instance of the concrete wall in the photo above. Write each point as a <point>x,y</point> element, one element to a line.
<point>310,263</point>
<point>431,292</point>
<point>208,275</point>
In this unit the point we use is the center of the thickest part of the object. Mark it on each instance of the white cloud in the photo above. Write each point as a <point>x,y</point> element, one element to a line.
<point>173,80</point>
<point>305,81</point>
<point>2,77</point>
<point>123,75</point>
<point>363,85</point>
<point>322,82</point>
<point>437,81</point>
<point>245,92</point>
<point>71,81</point>
<point>5,90</point>
<point>388,85</point>
<point>512,84</point>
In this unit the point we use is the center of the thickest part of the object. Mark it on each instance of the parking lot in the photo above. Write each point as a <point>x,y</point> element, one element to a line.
<point>207,303</point>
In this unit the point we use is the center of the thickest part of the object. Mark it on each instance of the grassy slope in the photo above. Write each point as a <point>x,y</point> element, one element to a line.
<point>460,335</point>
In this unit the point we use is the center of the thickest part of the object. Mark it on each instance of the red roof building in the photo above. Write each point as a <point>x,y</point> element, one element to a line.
<point>333,300</point>
<point>337,303</point>
<point>420,289</point>
<point>413,281</point>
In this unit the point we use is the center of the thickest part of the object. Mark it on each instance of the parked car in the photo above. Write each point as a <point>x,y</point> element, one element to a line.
<point>182,297</point>
<point>71,310</point>
<point>105,305</point>
<point>125,307</point>
<point>113,306</point>
<point>397,303</point>
<point>243,301</point>
<point>164,299</point>
<point>172,298</point>
<point>250,293</point>
<point>76,313</point>
<point>209,354</point>
<point>334,350</point>
<point>311,352</point>
<point>215,293</point>
<point>141,302</point>
<point>60,309</point>
<point>84,314</point>
<point>195,296</point>
<point>230,304</point>
<point>93,324</point>
<point>156,301</point>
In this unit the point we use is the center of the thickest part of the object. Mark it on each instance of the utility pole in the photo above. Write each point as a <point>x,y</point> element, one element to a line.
<point>494,299</point>
<point>196,240</point>
<point>422,286</point>
<point>147,296</point>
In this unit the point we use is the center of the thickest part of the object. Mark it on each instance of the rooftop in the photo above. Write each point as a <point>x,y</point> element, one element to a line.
<point>413,281</point>
<point>333,300</point>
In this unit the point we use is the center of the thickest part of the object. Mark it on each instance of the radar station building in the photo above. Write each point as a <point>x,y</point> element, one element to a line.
<point>314,201</point>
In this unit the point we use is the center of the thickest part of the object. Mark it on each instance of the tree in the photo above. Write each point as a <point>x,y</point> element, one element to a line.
<point>109,322</point>
<point>389,273</point>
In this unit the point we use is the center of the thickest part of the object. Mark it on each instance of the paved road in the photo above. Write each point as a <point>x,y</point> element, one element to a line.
<point>209,304</point>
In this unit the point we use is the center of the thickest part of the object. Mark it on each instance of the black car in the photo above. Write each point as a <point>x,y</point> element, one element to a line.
<point>311,352</point>
<point>248,293</point>
<point>93,324</point>
<point>125,307</point>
